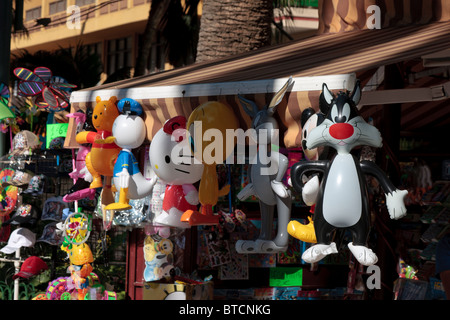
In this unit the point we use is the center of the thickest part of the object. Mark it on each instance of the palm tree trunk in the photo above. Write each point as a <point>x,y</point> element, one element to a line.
<point>230,27</point>
<point>158,9</point>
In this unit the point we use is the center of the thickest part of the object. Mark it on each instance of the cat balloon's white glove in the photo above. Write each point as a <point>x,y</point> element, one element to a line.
<point>395,204</point>
<point>124,178</point>
<point>310,191</point>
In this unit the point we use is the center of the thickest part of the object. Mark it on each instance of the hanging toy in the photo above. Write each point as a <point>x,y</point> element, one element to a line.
<point>80,174</point>
<point>267,187</point>
<point>52,93</point>
<point>100,160</point>
<point>342,201</point>
<point>177,170</point>
<point>80,269</point>
<point>77,228</point>
<point>129,132</point>
<point>305,232</point>
<point>210,115</point>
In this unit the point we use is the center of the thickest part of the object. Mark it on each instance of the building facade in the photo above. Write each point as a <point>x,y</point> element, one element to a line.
<point>113,28</point>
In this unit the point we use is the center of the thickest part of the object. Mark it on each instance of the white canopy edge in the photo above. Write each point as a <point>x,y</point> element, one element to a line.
<point>334,82</point>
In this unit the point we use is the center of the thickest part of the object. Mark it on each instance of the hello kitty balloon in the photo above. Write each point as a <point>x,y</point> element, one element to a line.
<point>172,161</point>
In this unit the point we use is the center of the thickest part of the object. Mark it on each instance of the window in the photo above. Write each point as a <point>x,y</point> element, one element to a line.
<point>81,3</point>
<point>156,60</point>
<point>33,14</point>
<point>119,54</point>
<point>58,6</point>
<point>95,48</point>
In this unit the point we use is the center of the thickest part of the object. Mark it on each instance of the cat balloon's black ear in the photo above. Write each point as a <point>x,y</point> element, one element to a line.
<point>356,93</point>
<point>306,114</point>
<point>325,99</point>
<point>327,94</point>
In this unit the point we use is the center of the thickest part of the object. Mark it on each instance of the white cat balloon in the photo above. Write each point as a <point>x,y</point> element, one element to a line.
<point>172,161</point>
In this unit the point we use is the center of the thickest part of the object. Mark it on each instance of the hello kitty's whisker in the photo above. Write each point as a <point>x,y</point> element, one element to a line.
<point>182,171</point>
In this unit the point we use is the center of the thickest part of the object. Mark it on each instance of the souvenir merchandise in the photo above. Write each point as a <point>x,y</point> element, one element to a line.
<point>170,158</point>
<point>26,216</point>
<point>133,217</point>
<point>51,234</point>
<point>24,143</point>
<point>32,266</point>
<point>129,133</point>
<point>53,209</point>
<point>80,174</point>
<point>100,160</point>
<point>76,228</point>
<point>266,179</point>
<point>337,206</point>
<point>20,237</point>
<point>8,194</point>
<point>285,188</point>
<point>50,92</point>
<point>158,256</point>
<point>305,232</point>
<point>35,185</point>
<point>220,117</point>
<point>19,179</point>
<point>156,201</point>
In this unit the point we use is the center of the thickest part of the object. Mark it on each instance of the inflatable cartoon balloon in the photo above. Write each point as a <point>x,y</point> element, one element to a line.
<point>80,256</point>
<point>342,200</point>
<point>305,232</point>
<point>219,117</point>
<point>267,186</point>
<point>100,160</point>
<point>171,160</point>
<point>129,133</point>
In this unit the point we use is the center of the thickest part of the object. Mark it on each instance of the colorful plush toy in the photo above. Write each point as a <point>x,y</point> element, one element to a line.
<point>129,132</point>
<point>100,160</point>
<point>218,116</point>
<point>342,200</point>
<point>177,170</point>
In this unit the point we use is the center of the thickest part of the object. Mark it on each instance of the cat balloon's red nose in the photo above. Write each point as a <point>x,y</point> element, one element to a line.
<point>341,131</point>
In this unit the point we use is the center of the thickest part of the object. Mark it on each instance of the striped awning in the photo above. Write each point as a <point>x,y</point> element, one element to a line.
<point>340,53</point>
<point>353,52</point>
<point>346,15</point>
<point>164,102</point>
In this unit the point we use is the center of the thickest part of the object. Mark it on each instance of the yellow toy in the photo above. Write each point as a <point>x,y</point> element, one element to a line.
<point>81,258</point>
<point>218,116</point>
<point>100,160</point>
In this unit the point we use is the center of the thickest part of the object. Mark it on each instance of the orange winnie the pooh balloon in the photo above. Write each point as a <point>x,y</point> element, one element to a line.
<point>100,160</point>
